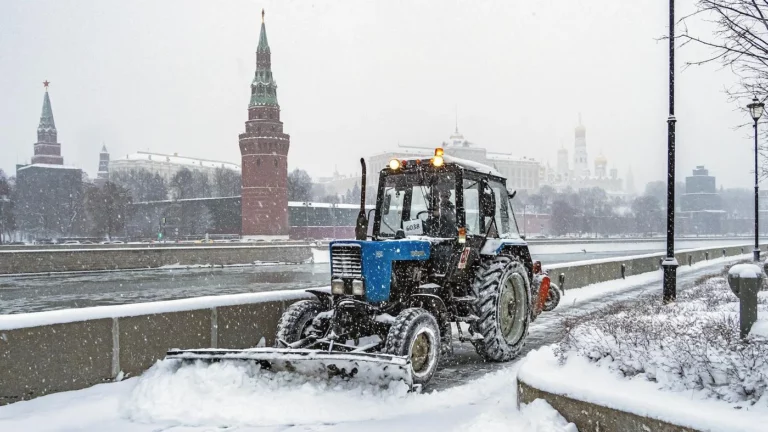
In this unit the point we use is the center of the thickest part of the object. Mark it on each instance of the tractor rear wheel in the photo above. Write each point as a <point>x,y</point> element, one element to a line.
<point>295,322</point>
<point>502,291</point>
<point>416,335</point>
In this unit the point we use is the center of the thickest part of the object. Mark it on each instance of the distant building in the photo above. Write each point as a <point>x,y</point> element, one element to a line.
<point>102,176</point>
<point>580,176</point>
<point>630,184</point>
<point>701,204</point>
<point>580,160</point>
<point>49,200</point>
<point>166,165</point>
<point>339,184</point>
<point>521,173</point>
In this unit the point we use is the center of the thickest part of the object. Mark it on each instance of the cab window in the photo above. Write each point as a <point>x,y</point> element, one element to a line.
<point>472,206</point>
<point>503,217</point>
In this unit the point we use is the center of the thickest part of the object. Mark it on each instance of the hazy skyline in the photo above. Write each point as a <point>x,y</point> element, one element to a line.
<point>358,77</point>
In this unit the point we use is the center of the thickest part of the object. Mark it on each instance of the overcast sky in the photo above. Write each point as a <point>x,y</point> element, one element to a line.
<point>358,77</point>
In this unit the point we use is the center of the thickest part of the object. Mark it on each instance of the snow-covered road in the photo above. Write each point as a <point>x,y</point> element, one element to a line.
<point>466,395</point>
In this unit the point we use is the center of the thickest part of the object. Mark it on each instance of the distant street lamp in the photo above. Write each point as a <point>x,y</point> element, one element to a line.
<point>670,263</point>
<point>756,111</point>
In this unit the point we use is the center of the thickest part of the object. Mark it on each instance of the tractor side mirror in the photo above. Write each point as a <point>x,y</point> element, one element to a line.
<point>512,194</point>
<point>385,205</point>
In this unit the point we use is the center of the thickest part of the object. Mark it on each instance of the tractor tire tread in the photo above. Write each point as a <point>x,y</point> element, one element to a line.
<point>293,316</point>
<point>486,288</point>
<point>398,337</point>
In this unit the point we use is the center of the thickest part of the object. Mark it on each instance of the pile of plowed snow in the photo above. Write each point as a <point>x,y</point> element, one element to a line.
<point>240,393</point>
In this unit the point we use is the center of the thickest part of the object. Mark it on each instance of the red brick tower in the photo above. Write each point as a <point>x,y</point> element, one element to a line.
<point>264,149</point>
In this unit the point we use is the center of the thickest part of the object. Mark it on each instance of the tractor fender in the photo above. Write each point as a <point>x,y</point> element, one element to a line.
<point>431,303</point>
<point>513,247</point>
<point>326,298</point>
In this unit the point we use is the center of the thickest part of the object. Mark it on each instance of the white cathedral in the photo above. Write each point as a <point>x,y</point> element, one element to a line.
<point>579,176</point>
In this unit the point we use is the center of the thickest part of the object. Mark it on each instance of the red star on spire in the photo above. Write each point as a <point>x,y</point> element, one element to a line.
<point>45,84</point>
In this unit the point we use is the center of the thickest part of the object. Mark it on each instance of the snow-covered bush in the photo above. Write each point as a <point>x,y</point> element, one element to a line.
<point>692,344</point>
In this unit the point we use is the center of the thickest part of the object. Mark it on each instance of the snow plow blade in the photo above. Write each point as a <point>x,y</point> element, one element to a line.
<point>371,368</point>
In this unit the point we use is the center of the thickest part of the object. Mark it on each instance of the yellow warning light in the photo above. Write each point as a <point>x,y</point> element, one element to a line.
<point>438,151</point>
<point>394,164</point>
<point>437,161</point>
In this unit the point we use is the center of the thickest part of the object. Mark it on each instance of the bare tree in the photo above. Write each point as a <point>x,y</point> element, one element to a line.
<point>739,42</point>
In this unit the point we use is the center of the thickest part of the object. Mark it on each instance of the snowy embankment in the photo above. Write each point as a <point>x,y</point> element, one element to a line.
<point>238,397</point>
<point>681,363</point>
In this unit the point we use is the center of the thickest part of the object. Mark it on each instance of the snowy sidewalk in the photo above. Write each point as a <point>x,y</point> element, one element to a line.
<point>682,363</point>
<point>233,398</point>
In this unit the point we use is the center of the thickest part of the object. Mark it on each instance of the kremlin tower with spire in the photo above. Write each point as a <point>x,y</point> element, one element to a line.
<point>264,149</point>
<point>47,149</point>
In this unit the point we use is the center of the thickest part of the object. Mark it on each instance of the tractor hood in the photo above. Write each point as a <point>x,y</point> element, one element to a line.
<point>376,259</point>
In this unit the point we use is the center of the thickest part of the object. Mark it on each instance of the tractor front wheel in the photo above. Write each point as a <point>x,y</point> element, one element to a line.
<point>502,291</point>
<point>296,321</point>
<point>416,335</point>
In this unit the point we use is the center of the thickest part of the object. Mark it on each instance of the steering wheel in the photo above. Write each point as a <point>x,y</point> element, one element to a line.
<point>421,213</point>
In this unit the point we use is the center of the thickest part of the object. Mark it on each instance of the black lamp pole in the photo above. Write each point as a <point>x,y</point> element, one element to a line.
<point>670,263</point>
<point>756,110</point>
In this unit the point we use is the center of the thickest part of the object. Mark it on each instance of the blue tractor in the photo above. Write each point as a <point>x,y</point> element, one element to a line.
<point>442,248</point>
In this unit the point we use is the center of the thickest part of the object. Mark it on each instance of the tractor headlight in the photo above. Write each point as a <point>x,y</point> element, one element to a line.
<point>358,288</point>
<point>337,286</point>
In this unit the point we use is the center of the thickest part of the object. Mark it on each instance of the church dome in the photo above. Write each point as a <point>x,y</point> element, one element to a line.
<point>601,160</point>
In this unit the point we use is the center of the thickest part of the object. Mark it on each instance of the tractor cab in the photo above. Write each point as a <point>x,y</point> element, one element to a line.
<point>434,219</point>
<point>458,206</point>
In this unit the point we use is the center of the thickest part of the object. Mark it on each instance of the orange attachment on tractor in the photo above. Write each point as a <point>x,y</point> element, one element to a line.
<point>543,293</point>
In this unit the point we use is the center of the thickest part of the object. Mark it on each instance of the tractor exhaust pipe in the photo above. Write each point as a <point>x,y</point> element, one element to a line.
<point>361,227</point>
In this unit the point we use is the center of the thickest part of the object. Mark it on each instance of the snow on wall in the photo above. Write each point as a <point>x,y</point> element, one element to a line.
<point>579,379</point>
<point>637,257</point>
<point>154,247</point>
<point>35,319</point>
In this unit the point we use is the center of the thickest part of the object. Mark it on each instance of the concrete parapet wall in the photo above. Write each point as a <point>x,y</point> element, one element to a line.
<point>583,273</point>
<point>63,260</point>
<point>589,417</point>
<point>39,356</point>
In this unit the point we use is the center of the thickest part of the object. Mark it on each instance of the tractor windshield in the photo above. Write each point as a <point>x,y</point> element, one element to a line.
<point>419,203</point>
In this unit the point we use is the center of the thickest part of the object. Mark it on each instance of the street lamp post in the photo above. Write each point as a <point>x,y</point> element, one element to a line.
<point>756,111</point>
<point>670,263</point>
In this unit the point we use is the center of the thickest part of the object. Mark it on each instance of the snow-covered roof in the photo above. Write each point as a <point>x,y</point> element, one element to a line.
<point>39,165</point>
<point>175,159</point>
<point>466,164</point>
<point>326,205</point>
<point>508,157</point>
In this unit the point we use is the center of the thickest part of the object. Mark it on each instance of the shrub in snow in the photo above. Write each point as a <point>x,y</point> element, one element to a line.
<point>692,344</point>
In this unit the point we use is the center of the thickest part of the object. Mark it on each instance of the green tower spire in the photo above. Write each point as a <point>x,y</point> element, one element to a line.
<point>263,87</point>
<point>46,118</point>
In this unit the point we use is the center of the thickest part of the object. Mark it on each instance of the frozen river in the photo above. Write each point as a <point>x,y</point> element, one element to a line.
<point>40,293</point>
